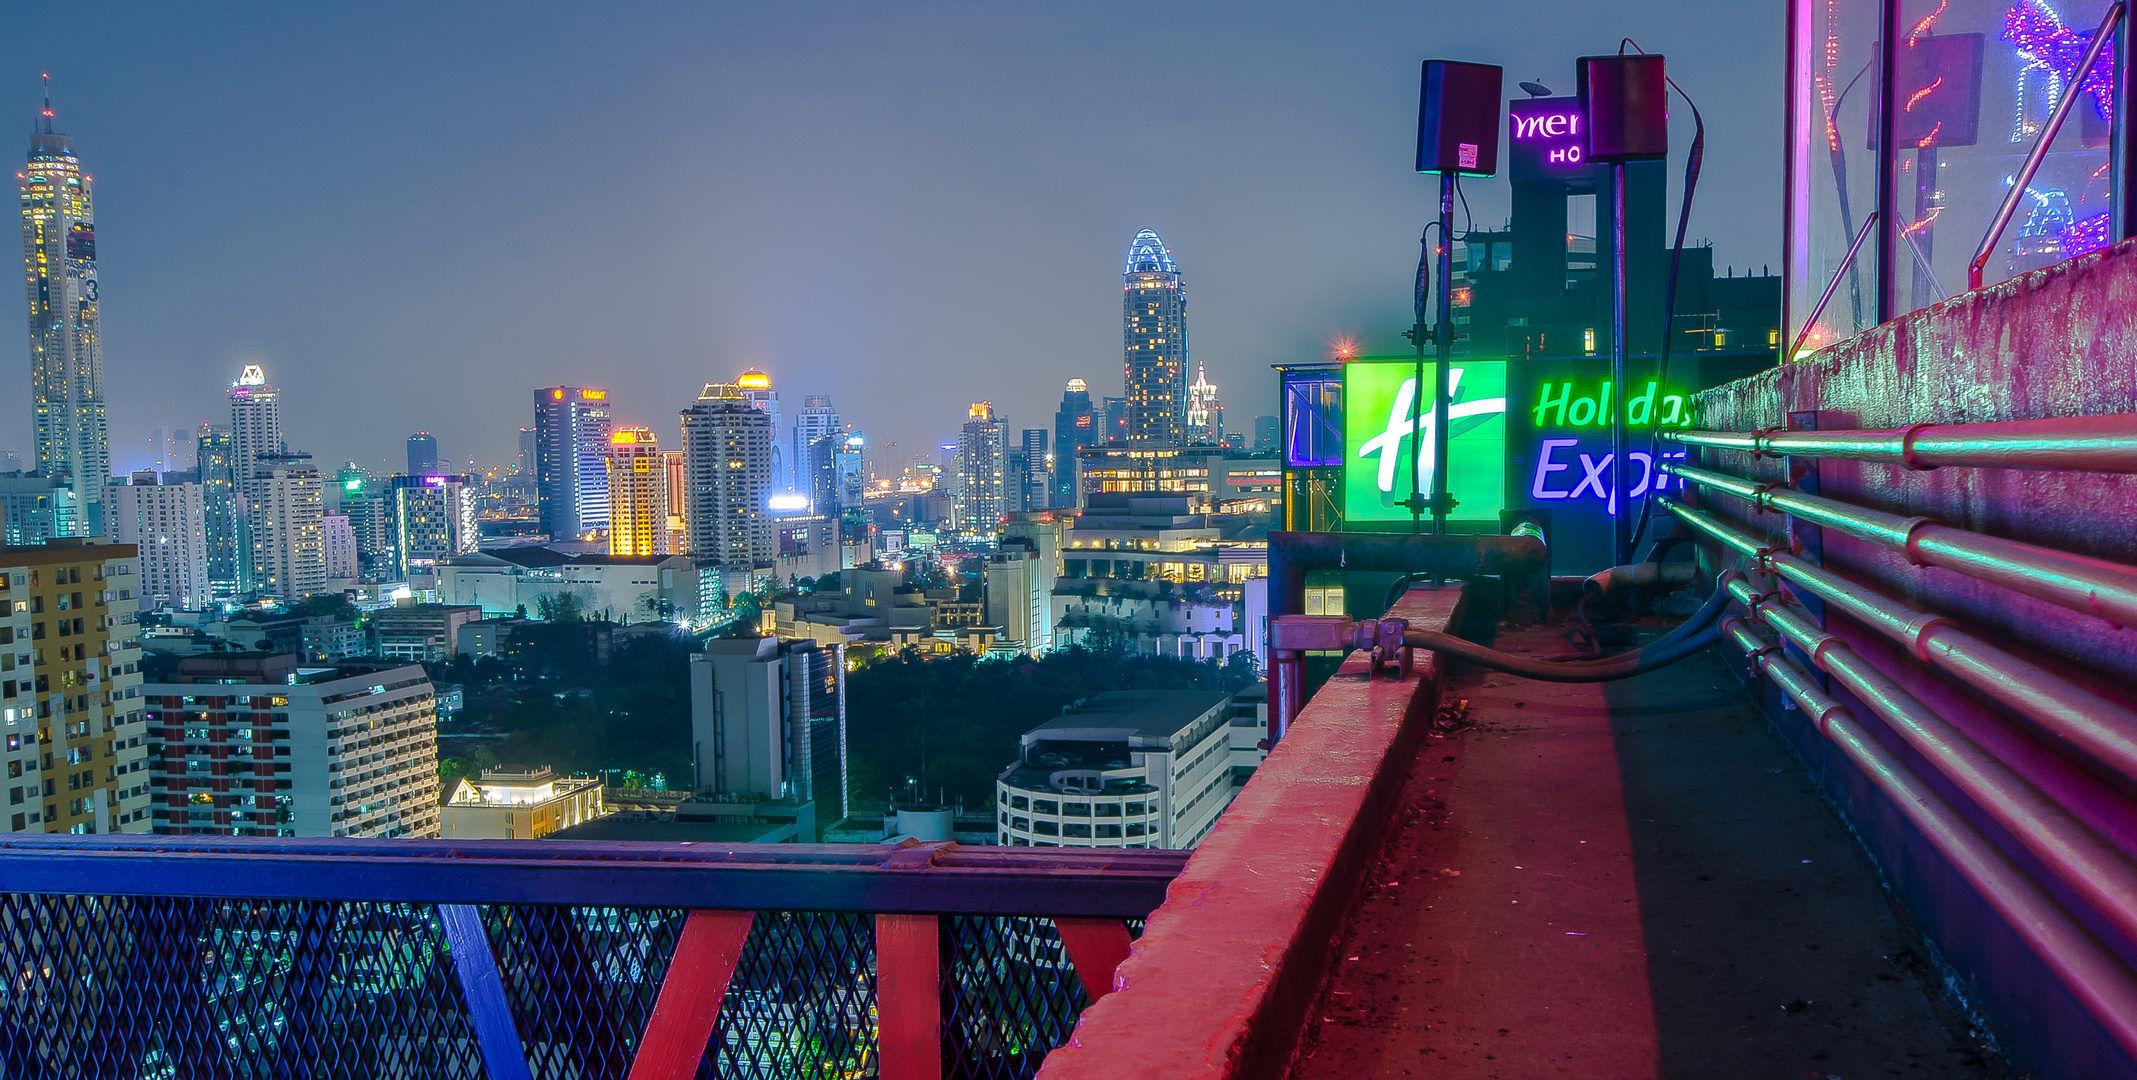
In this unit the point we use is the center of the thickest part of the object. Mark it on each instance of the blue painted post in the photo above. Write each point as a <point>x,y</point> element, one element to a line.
<point>488,1010</point>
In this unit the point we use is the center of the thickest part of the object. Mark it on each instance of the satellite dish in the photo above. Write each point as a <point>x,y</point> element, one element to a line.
<point>1536,89</point>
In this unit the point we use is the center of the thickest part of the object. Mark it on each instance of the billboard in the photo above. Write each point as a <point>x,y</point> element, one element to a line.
<point>1382,405</point>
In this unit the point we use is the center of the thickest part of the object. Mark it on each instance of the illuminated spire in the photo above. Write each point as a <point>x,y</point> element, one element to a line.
<point>45,117</point>
<point>1147,254</point>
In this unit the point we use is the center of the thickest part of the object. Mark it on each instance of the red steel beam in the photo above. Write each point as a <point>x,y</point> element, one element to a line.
<point>908,997</point>
<point>1096,947</point>
<point>690,994</point>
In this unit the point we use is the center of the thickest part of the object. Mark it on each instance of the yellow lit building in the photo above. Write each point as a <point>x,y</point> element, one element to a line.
<point>75,748</point>
<point>637,494</point>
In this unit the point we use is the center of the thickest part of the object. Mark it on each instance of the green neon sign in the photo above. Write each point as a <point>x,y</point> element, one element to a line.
<point>1568,403</point>
<point>1381,404</point>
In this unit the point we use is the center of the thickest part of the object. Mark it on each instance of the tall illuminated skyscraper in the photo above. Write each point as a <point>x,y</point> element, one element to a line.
<point>982,459</point>
<point>215,457</point>
<point>728,446</point>
<point>1154,310</point>
<point>66,354</point>
<point>818,420</point>
<point>571,459</point>
<point>1075,427</point>
<point>637,494</point>
<point>757,389</point>
<point>1205,412</point>
<point>255,421</point>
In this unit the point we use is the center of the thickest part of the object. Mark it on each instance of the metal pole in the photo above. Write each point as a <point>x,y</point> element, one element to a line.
<point>1620,519</point>
<point>1887,160</point>
<point>1442,500</point>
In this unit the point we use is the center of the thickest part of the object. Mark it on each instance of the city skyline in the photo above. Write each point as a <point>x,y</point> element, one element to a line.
<point>771,251</point>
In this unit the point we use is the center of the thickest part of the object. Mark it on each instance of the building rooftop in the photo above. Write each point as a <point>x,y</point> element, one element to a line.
<point>1122,714</point>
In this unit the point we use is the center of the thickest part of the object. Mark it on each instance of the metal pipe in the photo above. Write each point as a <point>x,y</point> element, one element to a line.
<point>1442,499</point>
<point>2104,730</point>
<point>2039,152</point>
<point>2089,865</point>
<point>1620,521</point>
<point>1846,261</point>
<point>2106,443</point>
<point>2100,981</point>
<point>2095,587</point>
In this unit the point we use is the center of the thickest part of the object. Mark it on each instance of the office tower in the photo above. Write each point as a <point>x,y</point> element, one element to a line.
<point>728,444</point>
<point>422,454</point>
<point>1154,308</point>
<point>981,462</point>
<point>168,525</point>
<point>1115,412</point>
<point>282,512</point>
<point>527,450</point>
<point>849,466</point>
<point>1205,412</point>
<point>258,746</point>
<point>433,518</point>
<point>337,540</point>
<point>66,353</point>
<point>1074,428</point>
<point>757,389</point>
<point>637,494</point>
<point>571,460</point>
<point>35,508</point>
<point>818,420</point>
<point>75,753</point>
<point>255,422</point>
<point>675,466</point>
<point>216,461</point>
<point>1268,433</point>
<point>770,721</point>
<point>1036,479</point>
<point>820,469</point>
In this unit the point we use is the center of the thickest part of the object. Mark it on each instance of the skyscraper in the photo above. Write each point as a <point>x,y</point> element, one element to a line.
<point>255,421</point>
<point>1154,309</point>
<point>1034,482</point>
<point>433,518</point>
<point>727,446</point>
<point>66,354</point>
<point>1075,427</point>
<point>818,420</point>
<point>216,460</point>
<point>283,511</point>
<point>637,494</point>
<point>757,390</point>
<point>422,454</point>
<point>527,451</point>
<point>168,524</point>
<point>1205,413</point>
<point>982,459</point>
<point>571,460</point>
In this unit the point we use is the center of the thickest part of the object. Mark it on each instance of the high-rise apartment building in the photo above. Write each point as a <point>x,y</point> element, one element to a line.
<point>422,454</point>
<point>1075,427</point>
<point>75,751</point>
<point>528,442</point>
<point>167,524</point>
<point>433,518</point>
<point>35,508</point>
<point>849,465</point>
<point>255,421</point>
<point>1154,307</point>
<point>818,421</point>
<point>1034,482</point>
<point>1205,412</point>
<point>256,746</point>
<point>637,494</point>
<point>728,444</point>
<point>337,539</point>
<point>215,458</point>
<point>282,512</point>
<point>982,461</point>
<point>368,504</point>
<point>756,389</point>
<point>769,719</point>
<point>571,426</point>
<point>66,352</point>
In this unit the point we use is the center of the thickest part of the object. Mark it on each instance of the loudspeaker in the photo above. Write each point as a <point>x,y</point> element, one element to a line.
<point>1458,118</point>
<point>1624,99</point>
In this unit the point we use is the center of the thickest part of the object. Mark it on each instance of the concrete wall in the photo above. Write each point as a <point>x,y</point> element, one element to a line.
<point>2057,342</point>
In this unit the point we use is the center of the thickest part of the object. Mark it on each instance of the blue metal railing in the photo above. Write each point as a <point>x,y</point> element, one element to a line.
<point>229,957</point>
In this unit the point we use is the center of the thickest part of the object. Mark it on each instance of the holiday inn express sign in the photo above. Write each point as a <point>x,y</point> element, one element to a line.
<point>1382,405</point>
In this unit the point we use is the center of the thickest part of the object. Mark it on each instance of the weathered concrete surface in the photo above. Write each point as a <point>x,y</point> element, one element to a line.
<point>1221,980</point>
<point>2056,342</point>
<point>1623,881</point>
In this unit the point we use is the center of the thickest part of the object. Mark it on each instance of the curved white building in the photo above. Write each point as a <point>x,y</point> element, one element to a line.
<point>1132,768</point>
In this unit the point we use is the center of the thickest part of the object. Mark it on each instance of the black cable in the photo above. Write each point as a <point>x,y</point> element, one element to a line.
<point>1622,666</point>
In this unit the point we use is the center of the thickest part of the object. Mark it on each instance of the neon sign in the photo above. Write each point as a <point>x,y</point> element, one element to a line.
<point>1569,404</point>
<point>1580,469</point>
<point>1546,133</point>
<point>1382,407</point>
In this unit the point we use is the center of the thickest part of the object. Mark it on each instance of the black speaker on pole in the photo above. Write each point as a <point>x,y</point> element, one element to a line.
<point>1623,98</point>
<point>1458,118</point>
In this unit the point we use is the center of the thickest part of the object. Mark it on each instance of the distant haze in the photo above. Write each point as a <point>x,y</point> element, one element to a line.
<point>413,215</point>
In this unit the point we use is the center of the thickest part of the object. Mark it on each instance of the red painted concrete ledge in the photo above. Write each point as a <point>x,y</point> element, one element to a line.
<point>1223,979</point>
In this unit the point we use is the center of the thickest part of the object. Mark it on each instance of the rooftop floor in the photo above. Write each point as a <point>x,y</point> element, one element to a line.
<point>1630,879</point>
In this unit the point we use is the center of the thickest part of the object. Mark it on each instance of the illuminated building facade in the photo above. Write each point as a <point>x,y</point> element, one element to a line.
<point>283,512</point>
<point>255,422</point>
<point>1205,413</point>
<point>215,458</point>
<point>756,389</point>
<point>817,421</point>
<point>571,426</point>
<point>75,751</point>
<point>637,494</point>
<point>1075,427</point>
<point>982,462</point>
<point>66,354</point>
<point>675,467</point>
<point>433,518</point>
<point>728,446</point>
<point>1154,309</point>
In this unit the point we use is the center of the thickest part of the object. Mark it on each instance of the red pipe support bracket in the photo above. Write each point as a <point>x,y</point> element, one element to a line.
<point>2099,980</point>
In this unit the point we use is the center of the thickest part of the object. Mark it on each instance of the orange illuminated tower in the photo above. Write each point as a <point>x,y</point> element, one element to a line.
<point>637,494</point>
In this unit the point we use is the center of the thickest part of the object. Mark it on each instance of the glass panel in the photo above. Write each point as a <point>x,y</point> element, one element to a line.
<point>1834,186</point>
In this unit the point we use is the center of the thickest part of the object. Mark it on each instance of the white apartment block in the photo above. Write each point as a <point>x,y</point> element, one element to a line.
<point>285,513</point>
<point>1131,768</point>
<point>168,523</point>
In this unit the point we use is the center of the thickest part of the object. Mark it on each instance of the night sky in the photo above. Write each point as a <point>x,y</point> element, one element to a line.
<point>414,215</point>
